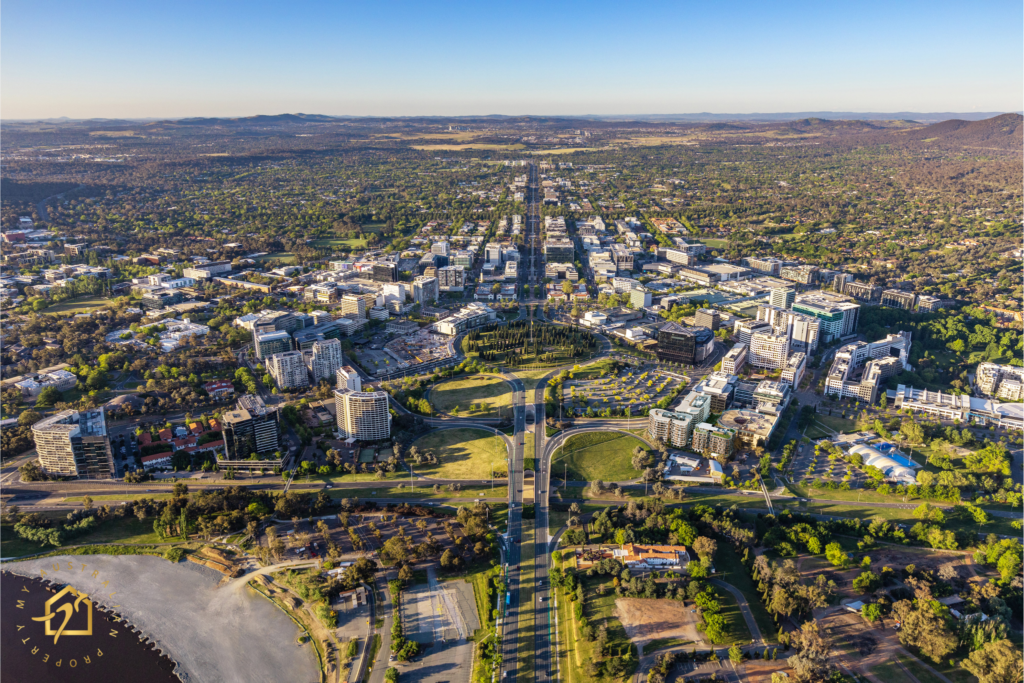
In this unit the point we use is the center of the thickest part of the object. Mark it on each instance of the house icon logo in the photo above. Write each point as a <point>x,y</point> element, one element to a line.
<point>60,608</point>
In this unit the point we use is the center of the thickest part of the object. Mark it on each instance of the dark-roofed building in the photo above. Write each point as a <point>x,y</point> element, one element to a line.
<point>686,345</point>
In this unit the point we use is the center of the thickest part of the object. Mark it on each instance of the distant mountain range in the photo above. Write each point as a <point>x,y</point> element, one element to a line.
<point>703,117</point>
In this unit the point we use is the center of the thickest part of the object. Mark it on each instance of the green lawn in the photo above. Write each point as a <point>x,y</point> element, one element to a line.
<point>920,673</point>
<point>597,455</point>
<point>355,243</point>
<point>285,257</point>
<point>527,624</point>
<point>82,304</point>
<point>890,672</point>
<point>738,631</point>
<point>127,530</point>
<point>594,370</point>
<point>834,423</point>
<point>420,492</point>
<point>662,643</point>
<point>731,570</point>
<point>997,525</point>
<point>573,649</point>
<point>476,395</point>
<point>464,454</point>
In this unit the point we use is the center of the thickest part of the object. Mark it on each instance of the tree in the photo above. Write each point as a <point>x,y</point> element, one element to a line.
<point>29,418</point>
<point>872,612</point>
<point>736,654</point>
<point>405,573</point>
<point>48,397</point>
<point>705,547</point>
<point>922,627</point>
<point>811,663</point>
<point>995,662</point>
<point>867,582</point>
<point>836,555</point>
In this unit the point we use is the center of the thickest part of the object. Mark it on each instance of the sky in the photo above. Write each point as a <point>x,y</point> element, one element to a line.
<point>115,59</point>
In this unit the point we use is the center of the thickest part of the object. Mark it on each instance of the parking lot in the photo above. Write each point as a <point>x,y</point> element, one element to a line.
<point>636,388</point>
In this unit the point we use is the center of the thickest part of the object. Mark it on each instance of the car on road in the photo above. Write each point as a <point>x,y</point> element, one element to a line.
<point>329,486</point>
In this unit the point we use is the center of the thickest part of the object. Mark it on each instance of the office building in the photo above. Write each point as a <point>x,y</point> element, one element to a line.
<point>752,428</point>
<point>805,275</point>
<point>709,318</point>
<point>897,298</point>
<point>424,290</point>
<point>276,321</point>
<point>269,343</point>
<point>838,315</point>
<point>720,387</point>
<point>558,250</point>
<point>734,360</point>
<point>492,253</point>
<point>930,304</point>
<point>795,367</point>
<point>767,265</point>
<point>324,360</point>
<point>839,281</point>
<point>716,442</point>
<point>353,306</point>
<point>686,345</point>
<point>385,272</point>
<point>860,369</point>
<point>439,248</point>
<point>363,416</point>
<point>639,298</point>
<point>473,315</point>
<point>348,378</point>
<point>252,428</point>
<point>394,292</point>
<point>802,329</point>
<point>772,396</point>
<point>207,270</point>
<point>451,279</point>
<point>288,370</point>
<point>743,330</point>
<point>74,444</point>
<point>680,256</point>
<point>768,350</point>
<point>304,339</point>
<point>350,326</point>
<point>863,291</point>
<point>782,297</point>
<point>1000,381</point>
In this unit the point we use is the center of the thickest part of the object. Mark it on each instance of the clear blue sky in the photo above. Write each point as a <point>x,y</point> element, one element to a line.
<point>112,58</point>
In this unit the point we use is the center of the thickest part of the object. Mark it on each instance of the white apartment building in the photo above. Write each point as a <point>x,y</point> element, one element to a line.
<point>670,427</point>
<point>768,350</point>
<point>324,359</point>
<point>734,361</point>
<point>288,370</point>
<point>348,378</point>
<point>1000,381</point>
<point>363,416</point>
<point>424,289</point>
<point>782,297</point>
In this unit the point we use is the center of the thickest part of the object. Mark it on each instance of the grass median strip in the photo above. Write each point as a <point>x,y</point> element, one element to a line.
<point>527,623</point>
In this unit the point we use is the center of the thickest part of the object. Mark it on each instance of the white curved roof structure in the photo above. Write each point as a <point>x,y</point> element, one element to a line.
<point>893,470</point>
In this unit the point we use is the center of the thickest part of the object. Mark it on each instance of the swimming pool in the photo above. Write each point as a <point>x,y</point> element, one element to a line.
<point>906,462</point>
<point>882,447</point>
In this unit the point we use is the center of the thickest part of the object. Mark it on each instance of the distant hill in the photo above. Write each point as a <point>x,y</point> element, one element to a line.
<point>1003,132</point>
<point>258,120</point>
